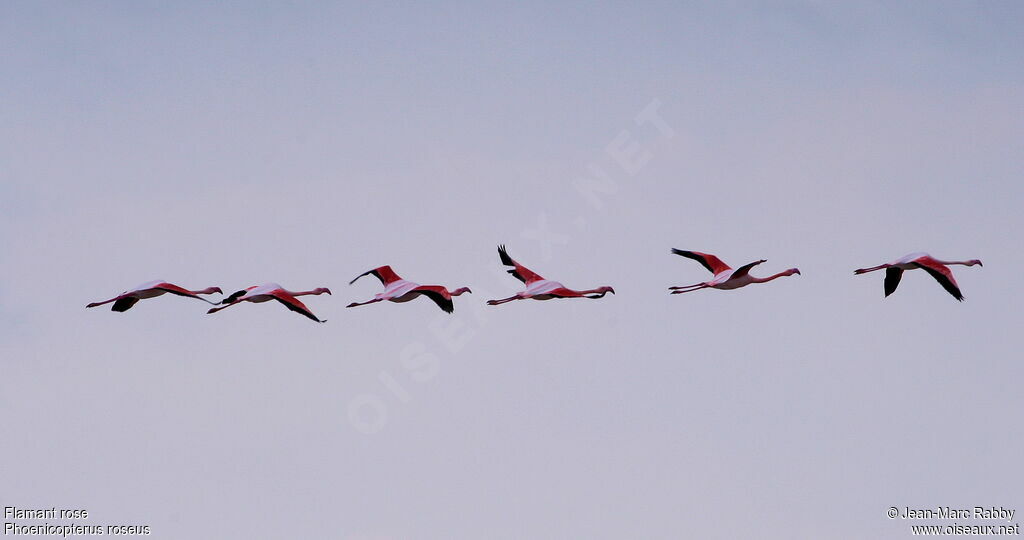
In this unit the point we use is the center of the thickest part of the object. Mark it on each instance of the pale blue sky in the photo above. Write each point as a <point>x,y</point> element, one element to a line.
<point>305,143</point>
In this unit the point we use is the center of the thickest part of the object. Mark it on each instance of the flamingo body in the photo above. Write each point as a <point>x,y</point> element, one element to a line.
<point>539,288</point>
<point>725,277</point>
<point>400,290</point>
<point>151,289</point>
<point>272,291</point>
<point>939,270</point>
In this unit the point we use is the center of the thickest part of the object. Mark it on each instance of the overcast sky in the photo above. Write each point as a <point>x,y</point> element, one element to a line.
<point>305,143</point>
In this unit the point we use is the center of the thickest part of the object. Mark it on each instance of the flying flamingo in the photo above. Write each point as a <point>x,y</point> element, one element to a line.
<point>127,299</point>
<point>539,288</point>
<point>936,268</point>
<point>725,277</point>
<point>397,289</point>
<point>272,291</point>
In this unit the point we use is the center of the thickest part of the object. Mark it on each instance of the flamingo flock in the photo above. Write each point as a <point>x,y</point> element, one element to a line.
<point>400,290</point>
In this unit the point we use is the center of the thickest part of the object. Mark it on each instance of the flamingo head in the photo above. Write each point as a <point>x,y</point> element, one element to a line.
<point>973,262</point>
<point>461,290</point>
<point>322,290</point>
<point>211,290</point>
<point>606,289</point>
<point>792,271</point>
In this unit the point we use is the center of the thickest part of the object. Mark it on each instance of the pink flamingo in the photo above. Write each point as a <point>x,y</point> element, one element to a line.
<point>539,288</point>
<point>272,291</point>
<point>725,277</point>
<point>936,268</point>
<point>397,289</point>
<point>125,301</point>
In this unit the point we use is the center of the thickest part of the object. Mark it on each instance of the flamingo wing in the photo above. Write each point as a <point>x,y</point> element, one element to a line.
<point>233,297</point>
<point>893,275</point>
<point>745,269</point>
<point>174,289</point>
<point>124,303</point>
<point>294,304</point>
<point>942,274</point>
<point>564,292</point>
<point>712,263</point>
<point>439,295</point>
<point>385,274</point>
<point>520,272</point>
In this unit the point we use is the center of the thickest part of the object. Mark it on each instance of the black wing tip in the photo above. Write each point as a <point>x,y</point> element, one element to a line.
<point>233,296</point>
<point>366,273</point>
<point>950,287</point>
<point>503,255</point>
<point>695,257</point>
<point>447,305</point>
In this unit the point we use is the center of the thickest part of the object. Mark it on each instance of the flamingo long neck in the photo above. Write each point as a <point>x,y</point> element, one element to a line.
<point>873,268</point>
<point>306,293</point>
<point>769,278</point>
<point>962,263</point>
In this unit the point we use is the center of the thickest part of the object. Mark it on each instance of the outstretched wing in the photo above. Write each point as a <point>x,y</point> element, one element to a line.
<point>439,295</point>
<point>124,304</point>
<point>174,289</point>
<point>520,272</point>
<point>385,274</point>
<point>712,263</point>
<point>294,304</point>
<point>893,275</point>
<point>942,274</point>
<point>745,269</point>
<point>233,297</point>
